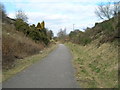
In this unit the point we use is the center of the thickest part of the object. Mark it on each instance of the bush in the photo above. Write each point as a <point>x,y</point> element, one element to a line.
<point>22,26</point>
<point>32,31</point>
<point>7,53</point>
<point>13,48</point>
<point>79,37</point>
<point>85,40</point>
<point>35,35</point>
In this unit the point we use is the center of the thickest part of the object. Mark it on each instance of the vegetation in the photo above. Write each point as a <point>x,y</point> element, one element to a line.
<point>95,67</point>
<point>107,11</point>
<point>38,34</point>
<point>21,15</point>
<point>50,34</point>
<point>94,50</point>
<point>20,39</point>
<point>26,62</point>
<point>2,10</point>
<point>95,53</point>
<point>79,37</point>
<point>62,36</point>
<point>93,47</point>
<point>106,31</point>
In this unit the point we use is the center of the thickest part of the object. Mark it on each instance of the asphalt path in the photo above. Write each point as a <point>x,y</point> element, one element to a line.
<point>54,71</point>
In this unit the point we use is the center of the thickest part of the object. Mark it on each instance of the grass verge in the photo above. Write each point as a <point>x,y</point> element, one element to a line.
<point>95,67</point>
<point>21,64</point>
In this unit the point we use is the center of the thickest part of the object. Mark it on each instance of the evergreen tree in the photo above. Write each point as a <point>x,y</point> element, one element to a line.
<point>39,26</point>
<point>42,25</point>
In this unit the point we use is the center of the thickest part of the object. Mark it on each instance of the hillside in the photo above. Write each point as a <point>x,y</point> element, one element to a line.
<point>106,31</point>
<point>89,59</point>
<point>16,44</point>
<point>95,54</point>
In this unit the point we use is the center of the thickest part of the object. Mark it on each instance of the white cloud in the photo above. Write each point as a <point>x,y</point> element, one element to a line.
<point>12,15</point>
<point>59,15</point>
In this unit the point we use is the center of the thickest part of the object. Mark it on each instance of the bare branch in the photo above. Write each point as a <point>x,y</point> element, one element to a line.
<point>104,11</point>
<point>21,15</point>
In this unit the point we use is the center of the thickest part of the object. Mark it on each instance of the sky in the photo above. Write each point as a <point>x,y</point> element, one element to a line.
<point>57,14</point>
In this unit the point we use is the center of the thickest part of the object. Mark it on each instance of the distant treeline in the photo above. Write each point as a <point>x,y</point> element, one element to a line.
<point>106,31</point>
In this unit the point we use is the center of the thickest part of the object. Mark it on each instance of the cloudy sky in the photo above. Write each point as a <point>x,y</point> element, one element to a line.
<point>57,14</point>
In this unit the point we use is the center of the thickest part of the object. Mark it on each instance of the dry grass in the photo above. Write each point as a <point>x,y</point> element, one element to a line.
<point>96,67</point>
<point>21,64</point>
<point>15,45</point>
<point>19,51</point>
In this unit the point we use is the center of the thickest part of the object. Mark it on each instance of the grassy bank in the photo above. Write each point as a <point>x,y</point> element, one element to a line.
<point>96,67</point>
<point>21,64</point>
<point>16,48</point>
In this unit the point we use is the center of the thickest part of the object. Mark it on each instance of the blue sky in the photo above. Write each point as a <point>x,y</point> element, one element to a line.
<point>57,14</point>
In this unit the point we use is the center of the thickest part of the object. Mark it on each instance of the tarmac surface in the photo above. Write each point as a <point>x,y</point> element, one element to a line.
<point>54,71</point>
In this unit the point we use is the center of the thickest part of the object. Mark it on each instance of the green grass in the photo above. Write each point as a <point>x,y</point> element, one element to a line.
<point>21,64</point>
<point>95,67</point>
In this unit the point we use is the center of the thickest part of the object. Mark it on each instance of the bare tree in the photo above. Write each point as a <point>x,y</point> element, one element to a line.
<point>104,11</point>
<point>107,11</point>
<point>116,8</point>
<point>50,34</point>
<point>21,15</point>
<point>2,10</point>
<point>61,33</point>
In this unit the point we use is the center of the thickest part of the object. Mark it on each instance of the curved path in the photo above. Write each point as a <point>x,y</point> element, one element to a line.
<point>54,71</point>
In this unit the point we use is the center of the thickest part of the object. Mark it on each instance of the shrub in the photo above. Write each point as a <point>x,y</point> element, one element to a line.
<point>22,26</point>
<point>79,37</point>
<point>85,40</point>
<point>13,48</point>
<point>7,53</point>
<point>31,31</point>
